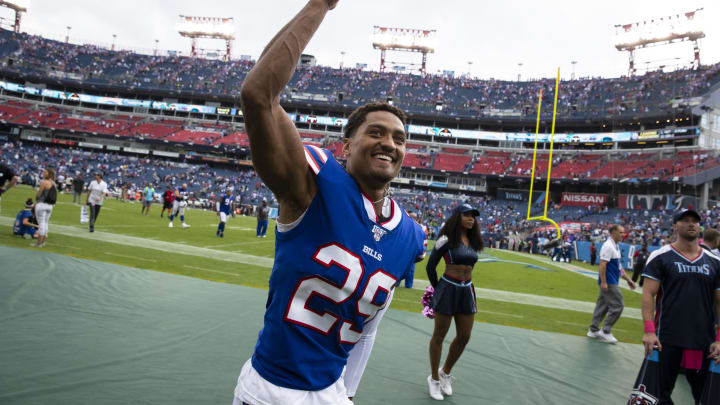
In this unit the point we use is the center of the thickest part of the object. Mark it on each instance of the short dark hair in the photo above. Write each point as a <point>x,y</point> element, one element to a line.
<point>614,228</point>
<point>358,116</point>
<point>710,235</point>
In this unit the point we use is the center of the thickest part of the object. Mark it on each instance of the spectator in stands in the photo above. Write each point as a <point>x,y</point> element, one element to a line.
<point>262,219</point>
<point>45,200</point>
<point>78,187</point>
<point>610,300</point>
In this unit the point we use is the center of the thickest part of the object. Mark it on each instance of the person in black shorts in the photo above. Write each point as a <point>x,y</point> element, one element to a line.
<point>640,258</point>
<point>458,244</point>
<point>683,281</point>
<point>168,198</point>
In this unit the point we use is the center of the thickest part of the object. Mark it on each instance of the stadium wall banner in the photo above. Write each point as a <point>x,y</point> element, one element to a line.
<point>626,252</point>
<point>518,195</point>
<point>654,201</point>
<point>566,226</point>
<point>63,142</point>
<point>313,119</point>
<point>167,154</point>
<point>90,145</point>
<point>136,150</point>
<point>583,199</point>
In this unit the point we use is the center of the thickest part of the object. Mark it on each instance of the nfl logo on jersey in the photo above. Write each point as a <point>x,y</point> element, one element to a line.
<point>640,397</point>
<point>378,233</point>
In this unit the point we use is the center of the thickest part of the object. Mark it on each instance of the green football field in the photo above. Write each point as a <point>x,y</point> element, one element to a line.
<point>124,236</point>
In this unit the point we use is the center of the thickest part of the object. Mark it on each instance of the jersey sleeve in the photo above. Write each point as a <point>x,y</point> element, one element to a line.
<point>653,267</point>
<point>360,353</point>
<point>316,158</point>
<point>606,252</point>
<point>422,237</point>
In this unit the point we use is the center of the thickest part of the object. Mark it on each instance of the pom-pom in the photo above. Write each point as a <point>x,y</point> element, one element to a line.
<point>426,301</point>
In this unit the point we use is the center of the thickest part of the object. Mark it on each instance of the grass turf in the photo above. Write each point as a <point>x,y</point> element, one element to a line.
<point>125,219</point>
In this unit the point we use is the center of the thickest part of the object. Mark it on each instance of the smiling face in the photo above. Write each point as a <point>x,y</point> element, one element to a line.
<point>376,151</point>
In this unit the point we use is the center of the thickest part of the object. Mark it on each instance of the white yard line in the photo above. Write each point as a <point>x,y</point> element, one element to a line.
<point>500,313</point>
<point>163,246</point>
<point>212,271</point>
<point>129,257</point>
<point>569,267</point>
<point>232,257</point>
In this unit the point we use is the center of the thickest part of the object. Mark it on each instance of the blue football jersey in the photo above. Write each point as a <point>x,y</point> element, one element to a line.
<point>183,194</point>
<point>226,204</point>
<point>18,227</point>
<point>332,272</point>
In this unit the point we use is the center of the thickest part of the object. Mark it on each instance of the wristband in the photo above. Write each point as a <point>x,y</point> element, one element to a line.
<point>649,326</point>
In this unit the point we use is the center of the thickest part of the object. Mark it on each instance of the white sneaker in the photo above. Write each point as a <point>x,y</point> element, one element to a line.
<point>445,382</point>
<point>608,337</point>
<point>435,390</point>
<point>593,335</point>
<point>185,225</point>
<point>170,225</point>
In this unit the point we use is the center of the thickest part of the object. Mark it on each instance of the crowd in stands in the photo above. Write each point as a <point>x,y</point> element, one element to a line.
<point>640,166</point>
<point>459,96</point>
<point>503,222</point>
<point>127,175</point>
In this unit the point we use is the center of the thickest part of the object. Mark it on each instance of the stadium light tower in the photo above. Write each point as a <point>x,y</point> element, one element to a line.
<point>113,44</point>
<point>404,40</point>
<point>19,6</point>
<point>658,32</point>
<point>67,37</point>
<point>207,27</point>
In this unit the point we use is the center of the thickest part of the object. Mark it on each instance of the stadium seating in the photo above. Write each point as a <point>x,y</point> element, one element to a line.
<point>461,96</point>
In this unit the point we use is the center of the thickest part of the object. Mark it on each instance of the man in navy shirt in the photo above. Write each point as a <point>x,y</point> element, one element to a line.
<point>683,281</point>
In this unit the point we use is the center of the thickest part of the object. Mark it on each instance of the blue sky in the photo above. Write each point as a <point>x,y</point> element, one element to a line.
<point>494,36</point>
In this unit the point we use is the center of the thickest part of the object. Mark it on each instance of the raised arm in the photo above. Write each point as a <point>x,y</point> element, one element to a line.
<point>277,152</point>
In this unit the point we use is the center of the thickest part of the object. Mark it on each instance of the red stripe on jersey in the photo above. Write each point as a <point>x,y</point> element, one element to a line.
<point>688,259</point>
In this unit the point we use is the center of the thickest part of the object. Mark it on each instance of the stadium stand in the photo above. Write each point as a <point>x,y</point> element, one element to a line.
<point>92,65</point>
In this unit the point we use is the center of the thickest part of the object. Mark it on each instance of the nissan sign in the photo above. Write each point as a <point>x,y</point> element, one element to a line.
<point>583,199</point>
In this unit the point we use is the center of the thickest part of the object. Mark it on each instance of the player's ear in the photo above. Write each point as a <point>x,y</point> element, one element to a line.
<point>346,146</point>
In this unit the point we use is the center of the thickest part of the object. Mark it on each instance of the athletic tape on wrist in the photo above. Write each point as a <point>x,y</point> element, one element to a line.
<point>649,326</point>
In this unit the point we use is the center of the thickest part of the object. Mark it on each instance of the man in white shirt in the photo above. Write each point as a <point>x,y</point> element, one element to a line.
<point>97,190</point>
<point>610,299</point>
